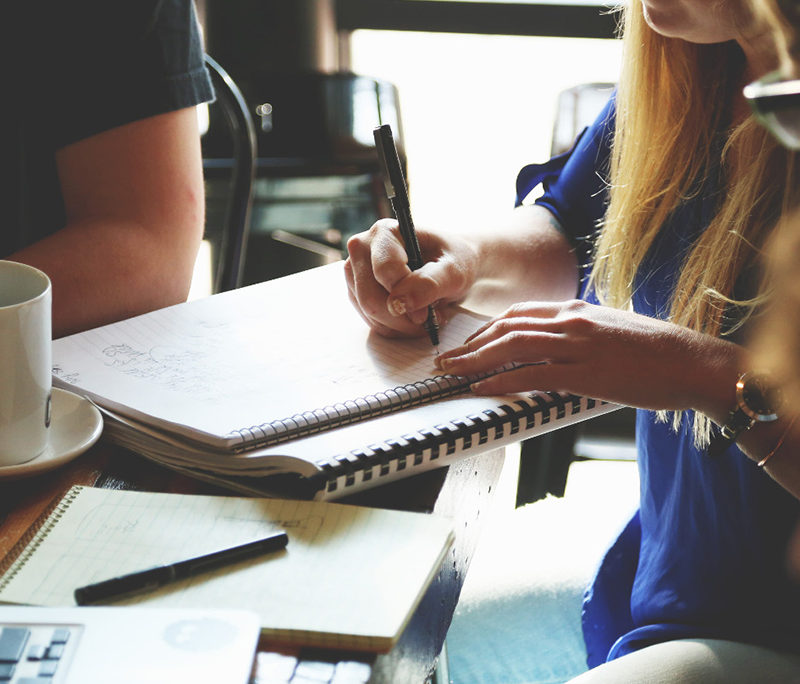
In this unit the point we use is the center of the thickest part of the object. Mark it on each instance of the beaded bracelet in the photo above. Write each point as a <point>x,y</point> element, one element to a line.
<point>766,458</point>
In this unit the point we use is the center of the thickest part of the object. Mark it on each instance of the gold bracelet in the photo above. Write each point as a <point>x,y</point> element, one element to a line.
<point>766,458</point>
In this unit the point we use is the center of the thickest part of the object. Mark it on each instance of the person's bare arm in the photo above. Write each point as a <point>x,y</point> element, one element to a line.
<point>135,212</point>
<point>529,258</point>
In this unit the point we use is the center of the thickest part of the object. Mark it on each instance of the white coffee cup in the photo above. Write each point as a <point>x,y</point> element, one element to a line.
<point>25,362</point>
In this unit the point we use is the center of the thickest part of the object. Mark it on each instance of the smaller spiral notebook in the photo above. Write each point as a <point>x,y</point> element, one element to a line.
<point>351,577</point>
<point>280,388</point>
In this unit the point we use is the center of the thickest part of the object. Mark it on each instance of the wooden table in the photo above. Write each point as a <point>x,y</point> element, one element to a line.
<point>462,492</point>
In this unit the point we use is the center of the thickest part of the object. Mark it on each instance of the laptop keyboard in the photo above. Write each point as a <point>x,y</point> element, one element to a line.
<point>276,668</point>
<point>33,654</point>
<point>40,654</point>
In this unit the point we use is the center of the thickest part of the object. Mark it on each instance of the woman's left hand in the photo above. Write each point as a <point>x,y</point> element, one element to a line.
<point>600,352</point>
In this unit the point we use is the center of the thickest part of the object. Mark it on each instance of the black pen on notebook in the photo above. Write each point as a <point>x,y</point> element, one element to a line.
<point>153,578</point>
<point>397,192</point>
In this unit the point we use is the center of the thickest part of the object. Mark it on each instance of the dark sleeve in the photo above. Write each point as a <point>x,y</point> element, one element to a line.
<point>575,183</point>
<point>113,62</point>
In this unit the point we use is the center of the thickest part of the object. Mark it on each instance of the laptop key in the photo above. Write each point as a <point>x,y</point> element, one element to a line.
<point>48,668</point>
<point>12,643</point>
<point>351,672</point>
<point>36,652</point>
<point>60,635</point>
<point>275,668</point>
<point>7,671</point>
<point>54,652</point>
<point>314,671</point>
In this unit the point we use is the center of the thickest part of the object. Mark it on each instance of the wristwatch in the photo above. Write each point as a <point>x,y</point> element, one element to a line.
<point>757,401</point>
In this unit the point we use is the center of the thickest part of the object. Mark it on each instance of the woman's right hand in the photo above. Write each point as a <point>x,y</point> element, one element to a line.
<point>391,298</point>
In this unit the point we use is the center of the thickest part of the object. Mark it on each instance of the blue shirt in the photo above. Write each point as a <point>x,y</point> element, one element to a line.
<point>705,554</point>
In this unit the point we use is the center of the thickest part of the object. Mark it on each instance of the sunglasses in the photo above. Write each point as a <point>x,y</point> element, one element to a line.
<point>776,104</point>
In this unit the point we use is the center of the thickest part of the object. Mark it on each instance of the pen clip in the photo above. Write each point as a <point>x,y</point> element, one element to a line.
<point>387,182</point>
<point>389,160</point>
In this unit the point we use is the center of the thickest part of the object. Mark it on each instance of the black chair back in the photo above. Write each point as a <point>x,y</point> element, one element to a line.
<point>231,243</point>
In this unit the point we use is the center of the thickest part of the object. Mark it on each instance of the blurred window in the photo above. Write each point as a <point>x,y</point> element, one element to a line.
<point>476,108</point>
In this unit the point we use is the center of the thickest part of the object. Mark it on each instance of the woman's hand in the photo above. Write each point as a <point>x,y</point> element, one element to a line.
<point>391,298</point>
<point>522,255</point>
<point>599,352</point>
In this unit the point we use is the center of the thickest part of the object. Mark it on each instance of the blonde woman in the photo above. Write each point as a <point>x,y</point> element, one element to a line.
<point>655,220</point>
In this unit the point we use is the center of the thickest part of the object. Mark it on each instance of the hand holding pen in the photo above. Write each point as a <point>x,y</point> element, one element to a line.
<point>398,196</point>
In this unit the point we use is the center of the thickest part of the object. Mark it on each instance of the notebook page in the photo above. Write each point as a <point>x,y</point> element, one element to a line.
<point>246,357</point>
<point>347,570</point>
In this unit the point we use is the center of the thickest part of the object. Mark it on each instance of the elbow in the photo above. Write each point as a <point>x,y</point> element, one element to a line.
<point>178,269</point>
<point>192,237</point>
<point>166,267</point>
<point>183,238</point>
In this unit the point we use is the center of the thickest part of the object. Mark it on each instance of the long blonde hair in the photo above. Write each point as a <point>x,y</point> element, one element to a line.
<point>673,103</point>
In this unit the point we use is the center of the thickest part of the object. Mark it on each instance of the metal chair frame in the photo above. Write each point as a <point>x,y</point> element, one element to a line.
<point>232,248</point>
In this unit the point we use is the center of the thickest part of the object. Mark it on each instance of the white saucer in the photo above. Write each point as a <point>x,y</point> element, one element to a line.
<point>76,424</point>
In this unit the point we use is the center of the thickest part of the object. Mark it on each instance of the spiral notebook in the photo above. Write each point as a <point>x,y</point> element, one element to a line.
<point>280,388</point>
<point>350,577</point>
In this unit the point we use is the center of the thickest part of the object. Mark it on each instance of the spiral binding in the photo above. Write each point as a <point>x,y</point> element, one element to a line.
<point>33,537</point>
<point>394,455</point>
<point>352,411</point>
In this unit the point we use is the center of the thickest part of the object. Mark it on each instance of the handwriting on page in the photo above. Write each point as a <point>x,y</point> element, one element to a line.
<point>200,365</point>
<point>194,364</point>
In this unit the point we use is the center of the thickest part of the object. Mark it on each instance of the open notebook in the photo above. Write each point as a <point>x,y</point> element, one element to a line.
<point>285,379</point>
<point>350,577</point>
